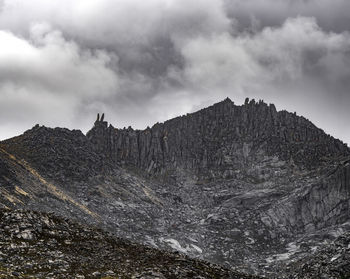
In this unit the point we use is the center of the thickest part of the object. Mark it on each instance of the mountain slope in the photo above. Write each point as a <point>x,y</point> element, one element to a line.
<point>243,186</point>
<point>38,245</point>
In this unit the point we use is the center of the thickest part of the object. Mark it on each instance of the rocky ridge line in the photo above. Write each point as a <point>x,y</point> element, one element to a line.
<point>202,141</point>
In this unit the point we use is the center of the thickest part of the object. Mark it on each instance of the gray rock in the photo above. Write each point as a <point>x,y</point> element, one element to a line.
<point>247,187</point>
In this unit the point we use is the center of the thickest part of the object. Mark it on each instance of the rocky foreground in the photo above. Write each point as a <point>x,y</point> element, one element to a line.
<point>38,245</point>
<point>332,261</point>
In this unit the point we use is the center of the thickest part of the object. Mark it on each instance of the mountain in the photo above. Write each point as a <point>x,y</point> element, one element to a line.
<point>201,141</point>
<point>247,187</point>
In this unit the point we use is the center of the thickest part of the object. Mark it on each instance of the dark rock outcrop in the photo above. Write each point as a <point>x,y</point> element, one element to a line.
<point>58,153</point>
<point>7,175</point>
<point>319,203</point>
<point>202,141</point>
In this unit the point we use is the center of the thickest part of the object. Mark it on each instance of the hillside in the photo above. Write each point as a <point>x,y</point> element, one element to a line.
<point>247,187</point>
<point>38,245</point>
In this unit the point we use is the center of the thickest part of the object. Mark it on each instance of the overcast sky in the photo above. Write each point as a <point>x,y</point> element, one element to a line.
<point>62,61</point>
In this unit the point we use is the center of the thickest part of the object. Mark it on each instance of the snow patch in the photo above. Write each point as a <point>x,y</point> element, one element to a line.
<point>173,243</point>
<point>197,248</point>
<point>335,257</point>
<point>292,248</point>
<point>192,239</point>
<point>151,242</point>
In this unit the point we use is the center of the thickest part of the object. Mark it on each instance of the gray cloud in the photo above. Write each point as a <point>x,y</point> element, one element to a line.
<point>297,65</point>
<point>46,78</point>
<point>145,61</point>
<point>331,15</point>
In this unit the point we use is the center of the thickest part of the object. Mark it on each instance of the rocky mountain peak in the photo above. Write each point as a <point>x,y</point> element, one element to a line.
<point>60,153</point>
<point>218,140</point>
<point>246,186</point>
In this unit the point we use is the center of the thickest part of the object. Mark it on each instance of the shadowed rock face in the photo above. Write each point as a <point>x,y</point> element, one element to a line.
<point>321,202</point>
<point>243,186</point>
<point>7,175</point>
<point>218,140</point>
<point>58,153</point>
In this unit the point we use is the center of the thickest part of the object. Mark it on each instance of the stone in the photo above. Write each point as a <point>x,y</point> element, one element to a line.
<point>91,248</point>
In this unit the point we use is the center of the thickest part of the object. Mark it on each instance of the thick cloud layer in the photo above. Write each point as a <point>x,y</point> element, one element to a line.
<point>48,79</point>
<point>141,62</point>
<point>331,15</point>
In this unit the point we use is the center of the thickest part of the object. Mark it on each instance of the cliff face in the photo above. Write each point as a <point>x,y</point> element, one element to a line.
<point>275,171</point>
<point>218,140</point>
<point>321,201</point>
<point>244,186</point>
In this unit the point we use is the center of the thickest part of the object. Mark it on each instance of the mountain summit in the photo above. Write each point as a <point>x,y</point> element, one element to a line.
<point>244,186</point>
<point>202,140</point>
